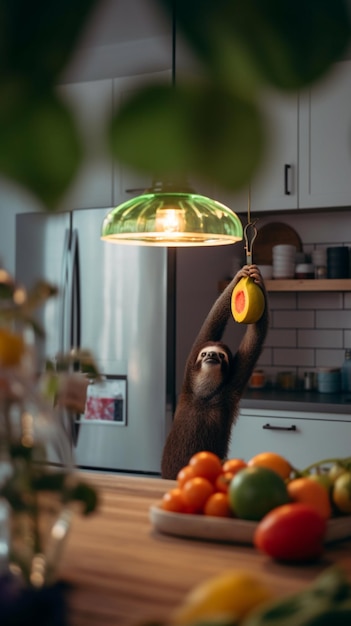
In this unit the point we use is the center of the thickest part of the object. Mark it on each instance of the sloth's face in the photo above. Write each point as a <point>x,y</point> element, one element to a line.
<point>212,355</point>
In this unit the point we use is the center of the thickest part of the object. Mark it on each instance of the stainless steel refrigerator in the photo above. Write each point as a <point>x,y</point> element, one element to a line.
<point>117,301</point>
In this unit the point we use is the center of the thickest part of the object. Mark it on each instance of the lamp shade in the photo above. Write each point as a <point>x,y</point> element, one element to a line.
<point>165,217</point>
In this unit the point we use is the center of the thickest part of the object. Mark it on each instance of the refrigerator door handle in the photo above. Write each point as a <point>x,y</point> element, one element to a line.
<point>73,308</point>
<point>63,343</point>
<point>73,304</point>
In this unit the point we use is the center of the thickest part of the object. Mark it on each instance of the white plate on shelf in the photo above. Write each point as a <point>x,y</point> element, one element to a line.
<point>227,530</point>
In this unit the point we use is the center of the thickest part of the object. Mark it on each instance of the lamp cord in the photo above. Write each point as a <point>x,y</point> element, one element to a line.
<point>174,16</point>
<point>250,226</point>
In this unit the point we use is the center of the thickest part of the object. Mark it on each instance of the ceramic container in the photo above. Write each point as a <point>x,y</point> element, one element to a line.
<point>329,380</point>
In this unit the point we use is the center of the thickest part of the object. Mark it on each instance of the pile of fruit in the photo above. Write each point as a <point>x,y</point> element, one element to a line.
<point>291,507</point>
<point>238,598</point>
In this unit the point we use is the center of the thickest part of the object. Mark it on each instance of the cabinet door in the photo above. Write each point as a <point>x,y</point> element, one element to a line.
<point>302,441</point>
<point>91,103</point>
<point>275,186</point>
<point>325,141</point>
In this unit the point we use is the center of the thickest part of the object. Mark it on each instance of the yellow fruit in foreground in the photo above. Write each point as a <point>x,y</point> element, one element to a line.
<point>233,593</point>
<point>247,302</point>
<point>341,493</point>
<point>11,348</point>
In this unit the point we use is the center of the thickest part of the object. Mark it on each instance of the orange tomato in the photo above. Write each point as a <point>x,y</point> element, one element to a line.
<point>196,491</point>
<point>184,474</point>
<point>173,501</point>
<point>206,464</point>
<point>310,492</point>
<point>273,461</point>
<point>218,505</point>
<point>233,465</point>
<point>223,481</point>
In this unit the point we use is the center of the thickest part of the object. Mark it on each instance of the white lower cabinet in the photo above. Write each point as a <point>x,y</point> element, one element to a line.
<point>302,438</point>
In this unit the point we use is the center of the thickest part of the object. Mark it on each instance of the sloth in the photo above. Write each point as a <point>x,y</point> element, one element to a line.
<point>213,384</point>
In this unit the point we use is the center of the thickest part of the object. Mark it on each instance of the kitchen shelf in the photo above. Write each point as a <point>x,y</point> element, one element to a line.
<point>302,284</point>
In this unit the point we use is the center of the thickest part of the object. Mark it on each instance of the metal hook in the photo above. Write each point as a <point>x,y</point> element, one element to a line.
<point>249,240</point>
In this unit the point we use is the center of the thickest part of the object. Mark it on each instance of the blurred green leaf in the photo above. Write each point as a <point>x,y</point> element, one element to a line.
<point>287,44</point>
<point>40,147</point>
<point>200,129</point>
<point>37,38</point>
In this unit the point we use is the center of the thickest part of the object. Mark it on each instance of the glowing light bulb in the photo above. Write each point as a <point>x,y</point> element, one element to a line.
<point>170,220</point>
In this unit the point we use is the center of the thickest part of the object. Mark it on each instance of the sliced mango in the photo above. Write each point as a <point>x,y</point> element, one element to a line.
<point>247,303</point>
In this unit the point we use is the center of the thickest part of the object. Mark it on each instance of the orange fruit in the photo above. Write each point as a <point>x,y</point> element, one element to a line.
<point>196,491</point>
<point>184,474</point>
<point>233,465</point>
<point>206,464</point>
<point>218,505</point>
<point>223,481</point>
<point>272,461</point>
<point>310,492</point>
<point>173,501</point>
<point>11,348</point>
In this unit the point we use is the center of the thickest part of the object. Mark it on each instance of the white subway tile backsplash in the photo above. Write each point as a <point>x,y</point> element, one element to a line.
<point>320,300</point>
<point>333,319</point>
<point>347,339</point>
<point>281,338</point>
<point>265,357</point>
<point>321,338</point>
<point>347,300</point>
<point>293,357</point>
<point>281,300</point>
<point>293,319</point>
<point>329,358</point>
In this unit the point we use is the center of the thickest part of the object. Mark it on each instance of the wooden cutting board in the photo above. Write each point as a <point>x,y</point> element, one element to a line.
<point>271,235</point>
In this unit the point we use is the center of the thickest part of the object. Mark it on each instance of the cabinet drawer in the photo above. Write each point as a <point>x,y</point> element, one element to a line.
<point>301,441</point>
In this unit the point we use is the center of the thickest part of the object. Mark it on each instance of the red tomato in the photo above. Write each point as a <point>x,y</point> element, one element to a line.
<point>291,532</point>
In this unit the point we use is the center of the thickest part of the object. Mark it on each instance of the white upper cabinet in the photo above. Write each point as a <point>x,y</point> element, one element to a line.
<point>325,141</point>
<point>308,162</point>
<point>275,185</point>
<point>127,42</point>
<point>91,103</point>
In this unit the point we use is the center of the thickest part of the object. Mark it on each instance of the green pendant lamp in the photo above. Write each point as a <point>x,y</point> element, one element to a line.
<point>172,215</point>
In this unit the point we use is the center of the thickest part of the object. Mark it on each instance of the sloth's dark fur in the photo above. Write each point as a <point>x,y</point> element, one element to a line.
<point>214,381</point>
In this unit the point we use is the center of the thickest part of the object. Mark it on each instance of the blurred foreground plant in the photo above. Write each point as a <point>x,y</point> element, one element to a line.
<point>213,127</point>
<point>37,498</point>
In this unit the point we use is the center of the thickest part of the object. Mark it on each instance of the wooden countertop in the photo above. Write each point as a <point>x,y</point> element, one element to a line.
<point>123,572</point>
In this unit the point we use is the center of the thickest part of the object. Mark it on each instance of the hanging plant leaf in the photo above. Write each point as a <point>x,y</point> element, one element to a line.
<point>245,42</point>
<point>190,129</point>
<point>37,40</point>
<point>40,147</point>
